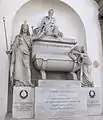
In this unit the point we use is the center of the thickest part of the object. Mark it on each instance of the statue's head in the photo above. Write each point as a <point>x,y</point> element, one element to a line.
<point>77,48</point>
<point>24,29</point>
<point>51,12</point>
<point>83,49</point>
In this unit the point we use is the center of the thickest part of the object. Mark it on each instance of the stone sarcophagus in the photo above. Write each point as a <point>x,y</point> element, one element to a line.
<point>56,57</point>
<point>51,55</point>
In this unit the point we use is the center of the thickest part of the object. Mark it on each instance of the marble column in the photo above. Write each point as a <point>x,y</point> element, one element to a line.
<point>100,18</point>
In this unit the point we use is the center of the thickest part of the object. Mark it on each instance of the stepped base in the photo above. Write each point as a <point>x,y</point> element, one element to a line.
<point>77,118</point>
<point>59,83</point>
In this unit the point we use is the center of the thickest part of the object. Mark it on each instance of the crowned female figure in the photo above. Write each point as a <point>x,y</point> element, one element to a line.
<point>20,70</point>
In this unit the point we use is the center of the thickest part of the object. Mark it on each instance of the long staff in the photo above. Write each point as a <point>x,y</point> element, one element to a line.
<point>10,85</point>
<point>5,34</point>
<point>7,51</point>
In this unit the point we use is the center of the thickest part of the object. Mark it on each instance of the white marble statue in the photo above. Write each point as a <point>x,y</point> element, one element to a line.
<point>48,27</point>
<point>82,62</point>
<point>20,71</point>
<point>78,59</point>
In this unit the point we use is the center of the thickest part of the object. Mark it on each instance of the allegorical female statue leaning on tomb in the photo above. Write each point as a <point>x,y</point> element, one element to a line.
<point>20,68</point>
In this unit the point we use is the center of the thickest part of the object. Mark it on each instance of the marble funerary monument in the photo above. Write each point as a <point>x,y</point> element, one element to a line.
<point>49,53</point>
<point>49,75</point>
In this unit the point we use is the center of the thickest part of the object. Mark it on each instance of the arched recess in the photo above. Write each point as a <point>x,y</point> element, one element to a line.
<point>67,18</point>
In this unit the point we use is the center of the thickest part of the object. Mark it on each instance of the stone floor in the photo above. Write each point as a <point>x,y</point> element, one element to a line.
<point>96,117</point>
<point>78,118</point>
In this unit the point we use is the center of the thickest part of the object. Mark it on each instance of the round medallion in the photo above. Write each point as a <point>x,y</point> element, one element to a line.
<point>23,94</point>
<point>96,64</point>
<point>92,93</point>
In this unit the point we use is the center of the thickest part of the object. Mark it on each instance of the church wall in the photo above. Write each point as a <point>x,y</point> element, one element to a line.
<point>3,69</point>
<point>87,11</point>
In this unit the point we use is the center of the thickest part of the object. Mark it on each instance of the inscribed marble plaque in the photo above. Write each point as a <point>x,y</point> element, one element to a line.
<point>59,103</point>
<point>93,101</point>
<point>23,102</point>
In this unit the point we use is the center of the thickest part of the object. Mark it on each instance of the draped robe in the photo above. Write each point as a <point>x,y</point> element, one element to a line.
<point>20,60</point>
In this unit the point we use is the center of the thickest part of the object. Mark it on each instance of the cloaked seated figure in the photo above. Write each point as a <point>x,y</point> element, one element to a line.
<point>48,27</point>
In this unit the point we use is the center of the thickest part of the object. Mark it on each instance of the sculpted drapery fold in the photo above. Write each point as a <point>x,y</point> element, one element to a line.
<point>20,71</point>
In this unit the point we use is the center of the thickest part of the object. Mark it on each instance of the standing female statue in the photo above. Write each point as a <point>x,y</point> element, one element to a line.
<point>20,72</point>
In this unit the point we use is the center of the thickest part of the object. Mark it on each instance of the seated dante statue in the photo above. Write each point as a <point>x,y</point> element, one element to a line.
<point>48,27</point>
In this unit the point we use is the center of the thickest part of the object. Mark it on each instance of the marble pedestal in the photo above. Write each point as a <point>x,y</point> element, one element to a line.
<point>94,103</point>
<point>59,83</point>
<point>23,103</point>
<point>65,100</point>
